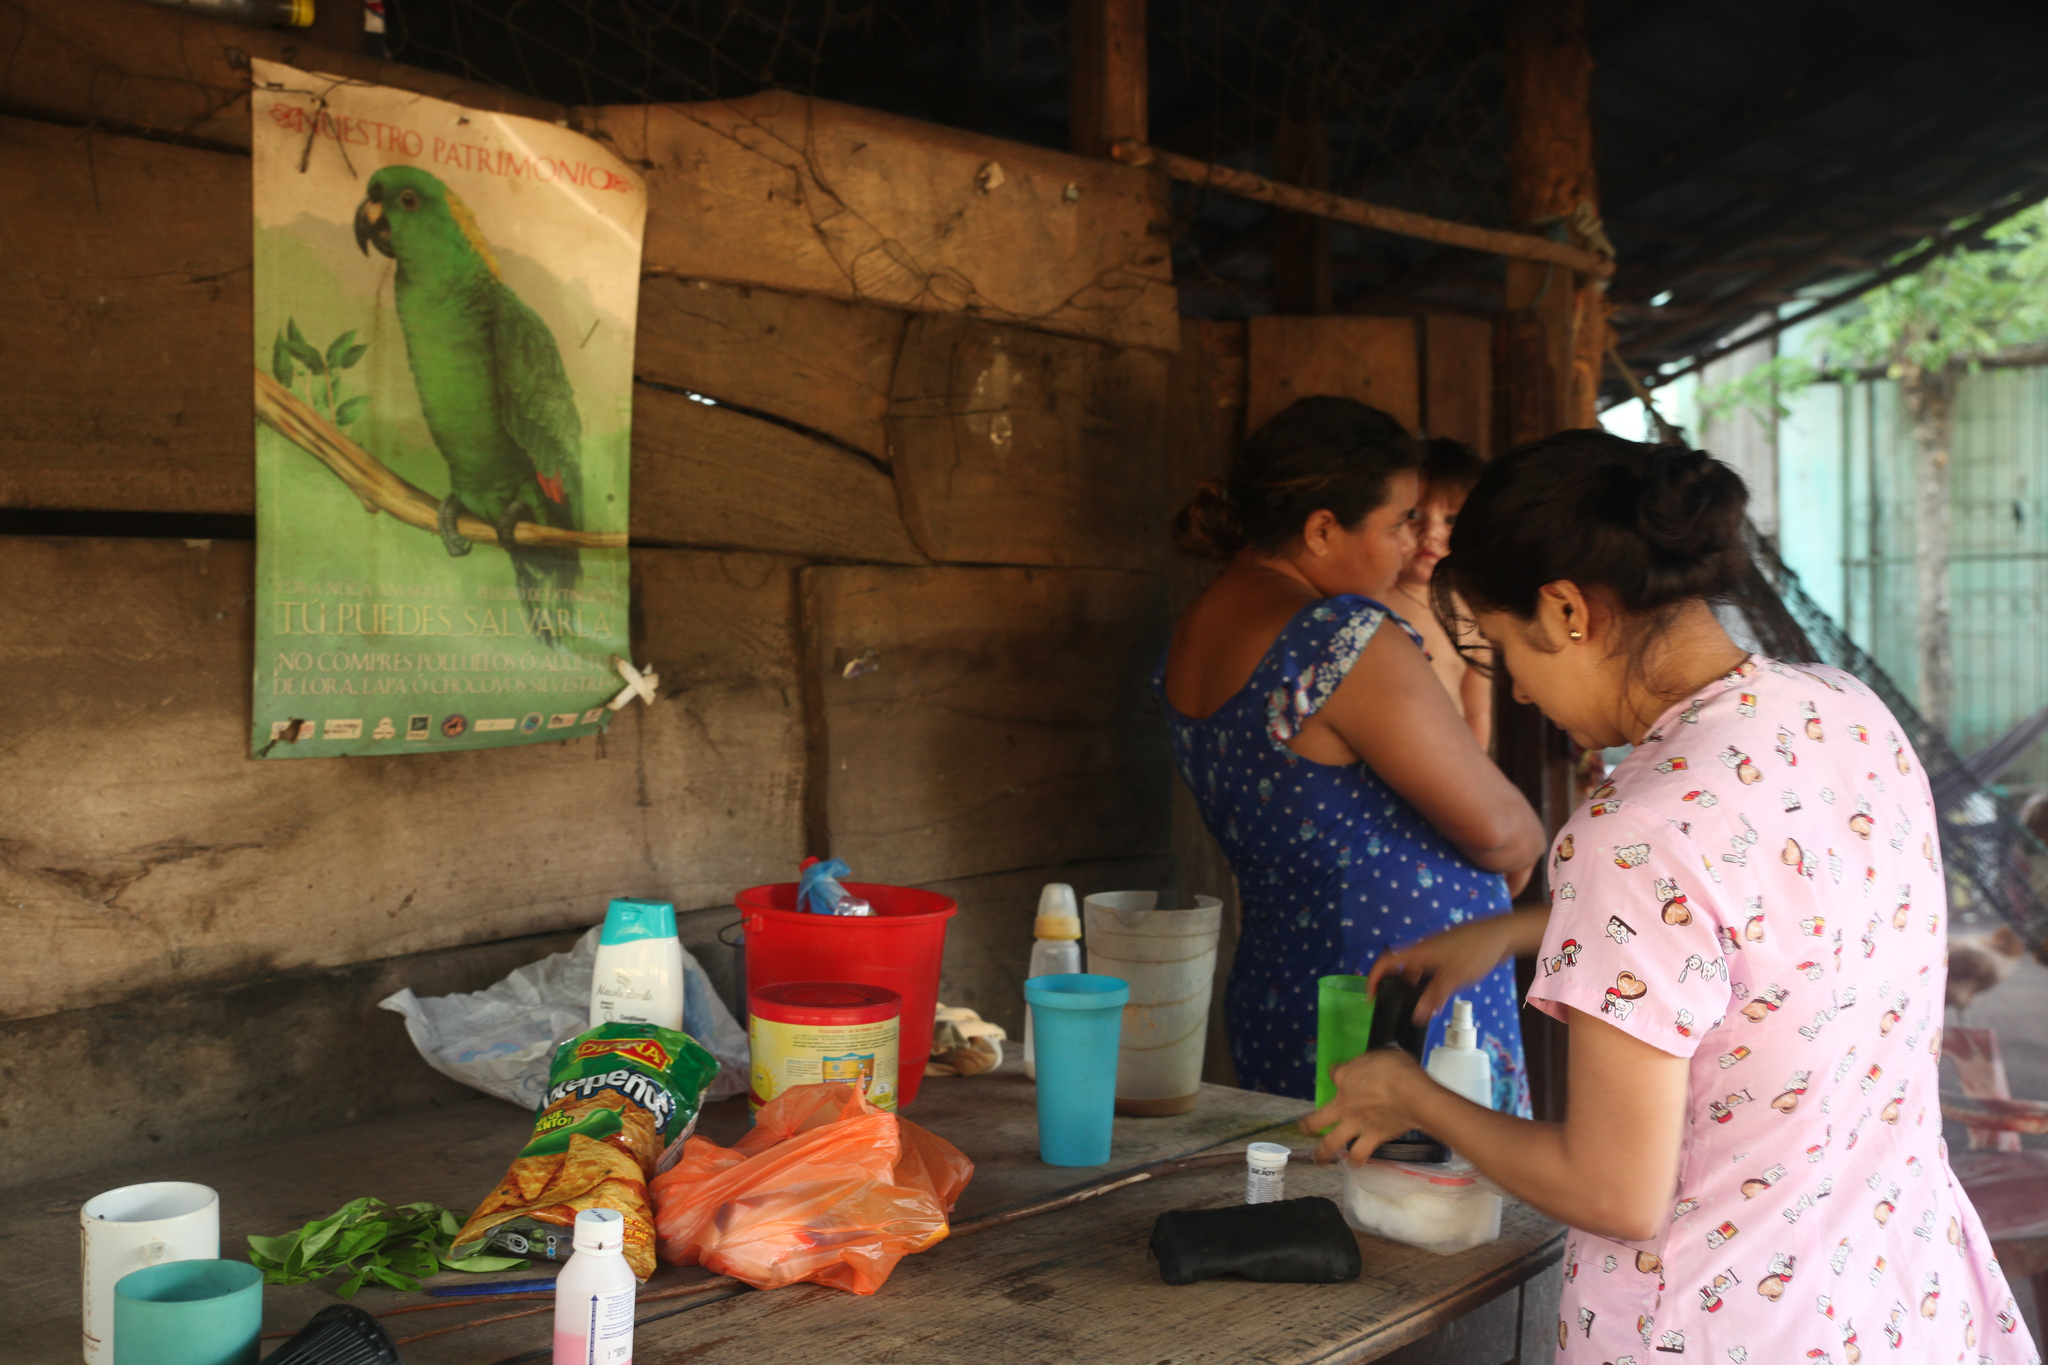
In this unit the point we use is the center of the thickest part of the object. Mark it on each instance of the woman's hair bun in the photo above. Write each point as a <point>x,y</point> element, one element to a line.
<point>1691,505</point>
<point>1317,454</point>
<point>1207,527</point>
<point>1653,525</point>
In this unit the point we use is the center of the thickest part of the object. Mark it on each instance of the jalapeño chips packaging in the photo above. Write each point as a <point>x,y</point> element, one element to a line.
<point>621,1099</point>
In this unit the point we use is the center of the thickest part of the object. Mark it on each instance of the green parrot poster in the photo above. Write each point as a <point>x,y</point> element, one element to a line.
<point>444,311</point>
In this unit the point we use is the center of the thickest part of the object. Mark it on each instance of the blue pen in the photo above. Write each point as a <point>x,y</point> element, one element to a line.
<point>464,1291</point>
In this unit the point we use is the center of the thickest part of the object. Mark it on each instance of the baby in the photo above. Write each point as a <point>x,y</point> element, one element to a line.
<point>1449,470</point>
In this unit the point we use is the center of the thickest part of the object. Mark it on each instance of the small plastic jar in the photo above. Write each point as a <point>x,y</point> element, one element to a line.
<point>1443,1208</point>
<point>1265,1173</point>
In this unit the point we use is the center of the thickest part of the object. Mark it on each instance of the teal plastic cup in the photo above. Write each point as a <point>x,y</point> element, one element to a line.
<point>1077,1021</point>
<point>1343,1028</point>
<point>189,1313</point>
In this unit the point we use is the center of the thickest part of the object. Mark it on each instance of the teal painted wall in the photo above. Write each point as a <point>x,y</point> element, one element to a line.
<point>1845,485</point>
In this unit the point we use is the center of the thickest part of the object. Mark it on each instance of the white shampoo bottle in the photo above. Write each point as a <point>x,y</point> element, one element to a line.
<point>594,1294</point>
<point>639,973</point>
<point>1458,1063</point>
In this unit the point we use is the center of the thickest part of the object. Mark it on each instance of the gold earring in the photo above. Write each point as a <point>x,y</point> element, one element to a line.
<point>1577,634</point>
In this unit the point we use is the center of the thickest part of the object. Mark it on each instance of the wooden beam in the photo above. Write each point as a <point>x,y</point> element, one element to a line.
<point>813,197</point>
<point>169,73</point>
<point>1106,82</point>
<point>1513,245</point>
<point>144,851</point>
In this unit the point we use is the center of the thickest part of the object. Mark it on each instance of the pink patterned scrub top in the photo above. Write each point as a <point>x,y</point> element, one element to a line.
<point>1758,888</point>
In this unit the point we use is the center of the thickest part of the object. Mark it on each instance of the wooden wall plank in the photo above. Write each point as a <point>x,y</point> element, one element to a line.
<point>128,64</point>
<point>140,847</point>
<point>899,216</point>
<point>128,387</point>
<point>822,363</point>
<point>994,718</point>
<point>1370,359</point>
<point>710,476</point>
<point>127,349</point>
<point>821,198</point>
<point>182,1071</point>
<point>1459,379</point>
<point>1015,447</point>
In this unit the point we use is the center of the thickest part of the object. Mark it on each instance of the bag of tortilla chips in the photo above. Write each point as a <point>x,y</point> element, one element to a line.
<point>620,1101</point>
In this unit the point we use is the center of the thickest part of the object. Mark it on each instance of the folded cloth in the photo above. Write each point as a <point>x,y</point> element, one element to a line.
<point>964,1043</point>
<point>1293,1241</point>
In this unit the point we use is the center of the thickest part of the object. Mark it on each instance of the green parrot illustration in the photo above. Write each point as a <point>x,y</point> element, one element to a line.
<point>490,378</point>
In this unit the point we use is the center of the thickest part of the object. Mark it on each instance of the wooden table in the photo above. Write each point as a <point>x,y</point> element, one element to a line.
<point>1073,1285</point>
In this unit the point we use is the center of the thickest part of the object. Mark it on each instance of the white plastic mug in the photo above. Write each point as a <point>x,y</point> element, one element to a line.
<point>130,1229</point>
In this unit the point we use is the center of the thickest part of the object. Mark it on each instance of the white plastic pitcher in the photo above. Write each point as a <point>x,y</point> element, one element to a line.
<point>1169,959</point>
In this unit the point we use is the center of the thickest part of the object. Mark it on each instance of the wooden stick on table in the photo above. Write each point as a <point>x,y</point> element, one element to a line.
<point>1204,1161</point>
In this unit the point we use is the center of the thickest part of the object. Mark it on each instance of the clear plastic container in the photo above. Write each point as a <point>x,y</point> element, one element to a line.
<point>1441,1208</point>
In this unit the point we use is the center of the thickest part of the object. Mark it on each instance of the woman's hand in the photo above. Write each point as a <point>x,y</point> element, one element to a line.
<point>1372,1104</point>
<point>1461,955</point>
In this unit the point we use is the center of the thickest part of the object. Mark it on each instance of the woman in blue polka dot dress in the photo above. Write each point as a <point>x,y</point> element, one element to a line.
<point>1354,805</point>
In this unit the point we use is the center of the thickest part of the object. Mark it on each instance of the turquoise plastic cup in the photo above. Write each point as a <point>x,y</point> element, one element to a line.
<point>189,1313</point>
<point>1343,1027</point>
<point>1077,1021</point>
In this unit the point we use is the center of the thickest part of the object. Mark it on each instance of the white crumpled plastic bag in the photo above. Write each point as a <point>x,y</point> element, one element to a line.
<point>500,1039</point>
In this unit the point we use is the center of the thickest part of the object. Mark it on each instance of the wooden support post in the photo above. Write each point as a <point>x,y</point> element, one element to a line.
<point>1106,89</point>
<point>1301,241</point>
<point>1552,339</point>
<point>1550,174</point>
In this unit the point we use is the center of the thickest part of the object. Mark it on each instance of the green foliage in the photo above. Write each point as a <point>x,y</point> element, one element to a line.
<point>291,352</point>
<point>370,1241</point>
<point>1958,311</point>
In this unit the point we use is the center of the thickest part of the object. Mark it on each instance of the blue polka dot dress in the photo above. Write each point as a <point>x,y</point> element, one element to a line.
<point>1333,866</point>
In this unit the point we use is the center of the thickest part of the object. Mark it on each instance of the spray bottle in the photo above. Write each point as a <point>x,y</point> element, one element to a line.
<point>1458,1063</point>
<point>1057,949</point>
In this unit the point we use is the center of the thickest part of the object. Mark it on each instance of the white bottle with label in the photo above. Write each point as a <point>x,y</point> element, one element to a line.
<point>1057,951</point>
<point>594,1294</point>
<point>1458,1063</point>
<point>639,973</point>
<point>1265,1173</point>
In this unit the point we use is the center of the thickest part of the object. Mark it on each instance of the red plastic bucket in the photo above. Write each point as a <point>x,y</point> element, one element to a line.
<point>900,948</point>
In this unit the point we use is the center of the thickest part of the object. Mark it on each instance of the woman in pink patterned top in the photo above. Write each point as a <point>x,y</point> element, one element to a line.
<point>1746,938</point>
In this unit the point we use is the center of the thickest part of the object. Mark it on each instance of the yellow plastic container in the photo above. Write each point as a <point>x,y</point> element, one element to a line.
<point>808,1032</point>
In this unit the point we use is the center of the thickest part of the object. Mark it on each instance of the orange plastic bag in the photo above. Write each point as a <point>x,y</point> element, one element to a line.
<point>826,1188</point>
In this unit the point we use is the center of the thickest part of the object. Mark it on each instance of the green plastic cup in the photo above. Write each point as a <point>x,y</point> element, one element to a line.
<point>1343,1027</point>
<point>189,1313</point>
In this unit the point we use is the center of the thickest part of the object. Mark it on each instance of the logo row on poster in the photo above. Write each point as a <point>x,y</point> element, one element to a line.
<point>422,727</point>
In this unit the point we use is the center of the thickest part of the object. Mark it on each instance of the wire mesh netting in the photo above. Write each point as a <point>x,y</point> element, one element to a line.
<point>1997,871</point>
<point>1398,103</point>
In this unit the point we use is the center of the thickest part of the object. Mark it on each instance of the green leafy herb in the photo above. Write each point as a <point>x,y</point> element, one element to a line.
<point>369,1240</point>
